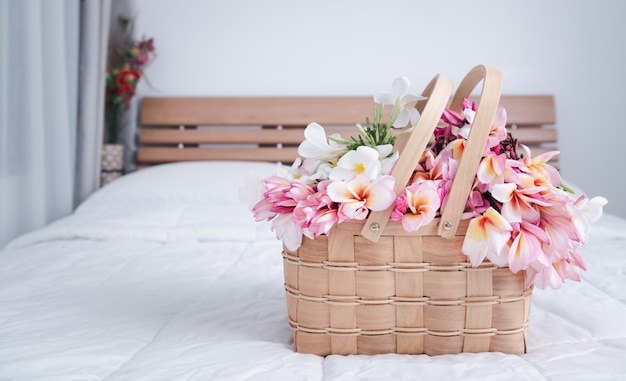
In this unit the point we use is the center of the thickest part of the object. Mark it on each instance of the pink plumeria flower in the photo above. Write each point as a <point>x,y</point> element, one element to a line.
<point>539,167</point>
<point>359,194</point>
<point>274,200</point>
<point>362,161</point>
<point>475,206</point>
<point>421,202</point>
<point>558,220</point>
<point>456,147</point>
<point>526,246</point>
<point>518,203</point>
<point>317,213</point>
<point>497,133</point>
<point>317,146</point>
<point>491,169</point>
<point>443,172</point>
<point>453,118</point>
<point>543,277</point>
<point>402,96</point>
<point>486,236</point>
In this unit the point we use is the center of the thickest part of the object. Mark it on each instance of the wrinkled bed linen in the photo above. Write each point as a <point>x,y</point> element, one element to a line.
<point>84,300</point>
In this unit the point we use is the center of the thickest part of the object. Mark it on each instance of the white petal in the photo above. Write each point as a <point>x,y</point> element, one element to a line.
<point>593,210</point>
<point>469,115</point>
<point>315,143</point>
<point>402,120</point>
<point>408,98</point>
<point>384,150</point>
<point>386,164</point>
<point>339,192</point>
<point>401,86</point>
<point>503,192</point>
<point>385,97</point>
<point>414,115</point>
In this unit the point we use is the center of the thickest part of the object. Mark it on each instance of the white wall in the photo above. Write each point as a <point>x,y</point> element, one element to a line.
<point>573,49</point>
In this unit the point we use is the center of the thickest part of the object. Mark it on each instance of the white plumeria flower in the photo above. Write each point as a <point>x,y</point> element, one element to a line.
<point>363,160</point>
<point>252,189</point>
<point>590,212</point>
<point>317,146</point>
<point>386,162</point>
<point>401,92</point>
<point>592,209</point>
<point>292,173</point>
<point>469,115</point>
<point>321,171</point>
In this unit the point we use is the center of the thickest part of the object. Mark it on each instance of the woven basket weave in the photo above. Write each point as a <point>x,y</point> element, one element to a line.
<point>369,287</point>
<point>407,293</point>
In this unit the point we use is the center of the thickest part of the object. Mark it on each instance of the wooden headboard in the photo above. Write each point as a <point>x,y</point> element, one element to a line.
<point>270,128</point>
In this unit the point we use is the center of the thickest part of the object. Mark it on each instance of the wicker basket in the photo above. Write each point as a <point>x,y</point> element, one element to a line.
<point>407,293</point>
<point>370,287</point>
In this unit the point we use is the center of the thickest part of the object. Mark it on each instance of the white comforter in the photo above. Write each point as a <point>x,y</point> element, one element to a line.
<point>154,290</point>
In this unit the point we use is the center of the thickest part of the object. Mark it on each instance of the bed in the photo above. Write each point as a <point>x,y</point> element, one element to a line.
<point>164,275</point>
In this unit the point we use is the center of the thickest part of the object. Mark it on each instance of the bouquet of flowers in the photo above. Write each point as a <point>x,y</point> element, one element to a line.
<point>126,64</point>
<point>522,215</point>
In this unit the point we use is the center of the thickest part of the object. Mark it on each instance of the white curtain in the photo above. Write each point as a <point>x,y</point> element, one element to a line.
<point>94,38</point>
<point>40,79</point>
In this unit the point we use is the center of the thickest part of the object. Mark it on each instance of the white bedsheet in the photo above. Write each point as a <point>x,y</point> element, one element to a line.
<point>85,299</point>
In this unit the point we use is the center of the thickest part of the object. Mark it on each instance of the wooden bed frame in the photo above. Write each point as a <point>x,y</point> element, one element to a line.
<point>270,128</point>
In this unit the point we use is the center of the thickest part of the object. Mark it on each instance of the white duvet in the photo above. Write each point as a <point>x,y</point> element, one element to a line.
<point>172,280</point>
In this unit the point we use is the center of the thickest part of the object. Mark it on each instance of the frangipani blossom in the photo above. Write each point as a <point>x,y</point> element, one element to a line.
<point>486,236</point>
<point>538,166</point>
<point>590,212</point>
<point>491,169</point>
<point>526,246</point>
<point>251,191</point>
<point>497,133</point>
<point>317,146</point>
<point>419,205</point>
<point>401,94</point>
<point>456,147</point>
<point>543,277</point>
<point>518,203</point>
<point>362,161</point>
<point>443,172</point>
<point>359,194</point>
<point>288,231</point>
<point>317,213</point>
<point>387,159</point>
<point>591,209</point>
<point>558,220</point>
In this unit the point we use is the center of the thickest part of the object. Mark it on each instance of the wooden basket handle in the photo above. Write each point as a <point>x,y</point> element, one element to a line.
<point>411,146</point>
<point>438,93</point>
<point>486,108</point>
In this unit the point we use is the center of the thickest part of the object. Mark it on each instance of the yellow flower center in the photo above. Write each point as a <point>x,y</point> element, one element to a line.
<point>359,168</point>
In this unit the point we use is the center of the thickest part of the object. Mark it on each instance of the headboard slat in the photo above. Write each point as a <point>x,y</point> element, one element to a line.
<point>157,155</point>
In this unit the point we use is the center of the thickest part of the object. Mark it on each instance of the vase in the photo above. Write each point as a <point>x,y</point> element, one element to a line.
<point>112,163</point>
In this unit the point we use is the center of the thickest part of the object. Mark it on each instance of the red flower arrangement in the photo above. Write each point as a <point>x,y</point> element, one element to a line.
<point>126,64</point>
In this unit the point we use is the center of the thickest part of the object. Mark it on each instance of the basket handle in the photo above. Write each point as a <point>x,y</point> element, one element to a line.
<point>468,166</point>
<point>438,93</point>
